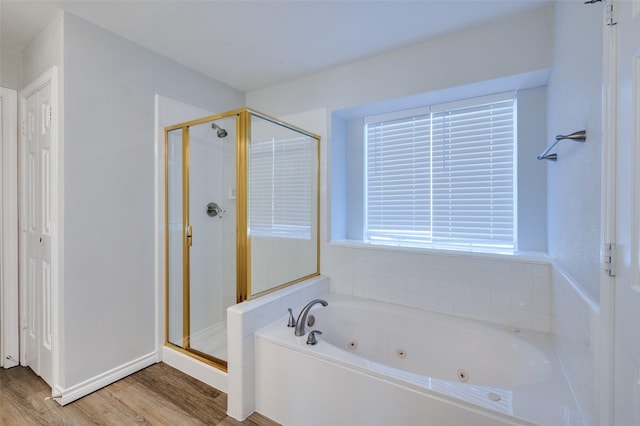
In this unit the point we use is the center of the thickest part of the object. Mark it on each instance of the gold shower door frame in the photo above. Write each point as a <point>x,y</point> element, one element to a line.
<point>243,241</point>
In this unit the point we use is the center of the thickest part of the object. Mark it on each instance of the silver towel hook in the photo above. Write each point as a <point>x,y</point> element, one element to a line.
<point>579,136</point>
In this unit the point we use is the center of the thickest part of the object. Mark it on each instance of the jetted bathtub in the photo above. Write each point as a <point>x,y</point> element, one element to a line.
<point>383,364</point>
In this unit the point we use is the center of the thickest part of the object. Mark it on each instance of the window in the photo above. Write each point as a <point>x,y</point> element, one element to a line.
<point>443,176</point>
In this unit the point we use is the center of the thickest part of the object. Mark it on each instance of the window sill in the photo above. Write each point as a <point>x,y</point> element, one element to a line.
<point>529,256</point>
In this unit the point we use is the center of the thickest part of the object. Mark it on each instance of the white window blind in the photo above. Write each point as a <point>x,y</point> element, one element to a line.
<point>444,178</point>
<point>280,186</point>
<point>398,180</point>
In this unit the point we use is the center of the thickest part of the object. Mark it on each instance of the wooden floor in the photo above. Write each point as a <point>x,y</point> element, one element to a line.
<point>157,395</point>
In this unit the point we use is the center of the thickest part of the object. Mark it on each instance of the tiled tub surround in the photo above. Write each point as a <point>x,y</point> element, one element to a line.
<point>576,325</point>
<point>380,363</point>
<point>501,289</point>
<point>504,289</point>
<point>243,320</point>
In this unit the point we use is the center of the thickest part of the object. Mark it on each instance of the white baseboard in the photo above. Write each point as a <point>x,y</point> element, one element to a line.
<point>85,388</point>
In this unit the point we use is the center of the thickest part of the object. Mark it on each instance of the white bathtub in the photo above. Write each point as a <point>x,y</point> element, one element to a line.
<point>382,364</point>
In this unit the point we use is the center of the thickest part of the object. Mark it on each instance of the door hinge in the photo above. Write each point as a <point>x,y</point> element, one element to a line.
<point>610,15</point>
<point>609,258</point>
<point>24,322</point>
<point>23,127</point>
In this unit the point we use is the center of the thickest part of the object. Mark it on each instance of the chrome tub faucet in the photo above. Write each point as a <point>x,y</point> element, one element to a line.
<point>302,318</point>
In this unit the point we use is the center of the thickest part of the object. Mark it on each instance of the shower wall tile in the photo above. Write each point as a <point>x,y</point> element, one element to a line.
<point>505,290</point>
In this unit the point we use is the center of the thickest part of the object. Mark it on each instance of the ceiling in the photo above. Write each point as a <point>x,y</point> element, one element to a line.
<point>254,44</point>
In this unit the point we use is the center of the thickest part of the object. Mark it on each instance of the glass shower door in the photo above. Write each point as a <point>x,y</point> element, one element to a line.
<point>201,216</point>
<point>221,250</point>
<point>212,216</point>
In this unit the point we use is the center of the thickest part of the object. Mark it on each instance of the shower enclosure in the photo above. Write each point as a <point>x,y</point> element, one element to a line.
<point>241,208</point>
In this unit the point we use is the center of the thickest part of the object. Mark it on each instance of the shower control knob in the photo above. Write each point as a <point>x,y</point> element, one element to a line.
<point>213,210</point>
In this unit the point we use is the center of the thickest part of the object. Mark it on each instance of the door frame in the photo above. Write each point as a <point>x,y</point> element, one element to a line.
<point>606,336</point>
<point>9,333</point>
<point>609,343</point>
<point>50,76</point>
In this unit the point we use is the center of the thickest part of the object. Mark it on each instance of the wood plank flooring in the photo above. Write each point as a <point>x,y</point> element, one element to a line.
<point>157,395</point>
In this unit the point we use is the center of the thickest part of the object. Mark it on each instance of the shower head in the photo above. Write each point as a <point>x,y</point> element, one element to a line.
<point>222,133</point>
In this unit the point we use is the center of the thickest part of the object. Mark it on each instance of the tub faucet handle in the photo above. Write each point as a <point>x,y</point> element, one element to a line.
<point>292,320</point>
<point>311,340</point>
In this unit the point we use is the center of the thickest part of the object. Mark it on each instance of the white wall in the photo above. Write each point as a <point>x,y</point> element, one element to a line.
<point>575,103</point>
<point>574,198</point>
<point>44,51</point>
<point>10,68</point>
<point>518,45</point>
<point>109,292</point>
<point>532,179</point>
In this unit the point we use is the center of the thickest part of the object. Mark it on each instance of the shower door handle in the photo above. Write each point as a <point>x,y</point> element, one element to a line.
<point>189,235</point>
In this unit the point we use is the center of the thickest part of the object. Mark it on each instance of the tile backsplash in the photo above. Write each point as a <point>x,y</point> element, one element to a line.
<point>503,289</point>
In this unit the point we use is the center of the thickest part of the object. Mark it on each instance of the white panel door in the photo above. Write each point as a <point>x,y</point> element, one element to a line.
<point>37,268</point>
<point>627,281</point>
